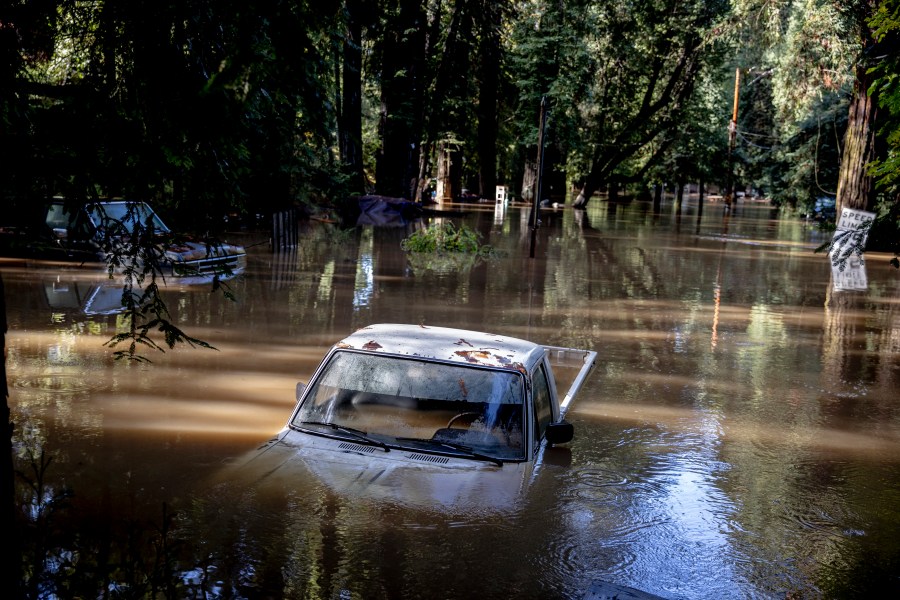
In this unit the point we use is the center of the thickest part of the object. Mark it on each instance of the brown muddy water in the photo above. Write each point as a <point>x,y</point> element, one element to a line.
<point>739,437</point>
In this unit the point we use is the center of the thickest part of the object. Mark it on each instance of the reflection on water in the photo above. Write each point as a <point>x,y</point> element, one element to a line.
<point>740,436</point>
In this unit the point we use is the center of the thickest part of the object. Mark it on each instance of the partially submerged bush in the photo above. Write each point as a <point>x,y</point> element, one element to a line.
<point>446,238</point>
<point>442,263</point>
<point>444,248</point>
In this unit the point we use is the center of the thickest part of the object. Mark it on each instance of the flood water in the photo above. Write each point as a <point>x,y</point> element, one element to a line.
<point>738,438</point>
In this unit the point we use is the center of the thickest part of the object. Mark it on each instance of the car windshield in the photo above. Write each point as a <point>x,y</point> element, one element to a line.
<point>126,213</point>
<point>424,405</point>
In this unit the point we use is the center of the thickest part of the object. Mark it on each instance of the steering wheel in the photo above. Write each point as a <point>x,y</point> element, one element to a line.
<point>461,415</point>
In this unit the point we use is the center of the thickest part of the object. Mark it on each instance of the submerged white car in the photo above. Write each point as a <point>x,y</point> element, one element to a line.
<point>428,416</point>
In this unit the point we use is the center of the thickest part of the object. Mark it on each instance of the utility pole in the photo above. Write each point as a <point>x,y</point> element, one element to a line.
<point>732,139</point>
<point>539,180</point>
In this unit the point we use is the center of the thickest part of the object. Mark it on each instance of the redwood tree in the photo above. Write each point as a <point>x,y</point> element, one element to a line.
<point>401,49</point>
<point>491,15</point>
<point>350,115</point>
<point>855,187</point>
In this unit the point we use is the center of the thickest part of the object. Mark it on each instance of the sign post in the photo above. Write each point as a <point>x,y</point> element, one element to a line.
<point>848,266</point>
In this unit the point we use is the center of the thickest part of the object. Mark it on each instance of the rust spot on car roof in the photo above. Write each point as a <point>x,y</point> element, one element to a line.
<point>371,345</point>
<point>474,356</point>
<point>486,357</point>
<point>463,342</point>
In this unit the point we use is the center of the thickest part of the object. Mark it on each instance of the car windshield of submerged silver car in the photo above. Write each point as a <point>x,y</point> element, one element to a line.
<point>431,406</point>
<point>111,214</point>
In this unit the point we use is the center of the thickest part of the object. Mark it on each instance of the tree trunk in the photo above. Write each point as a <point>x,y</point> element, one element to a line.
<point>401,98</point>
<point>855,189</point>
<point>679,196</point>
<point>449,172</point>
<point>425,154</point>
<point>587,190</point>
<point>489,70</point>
<point>554,179</point>
<point>350,130</point>
<point>428,141</point>
<point>700,185</point>
<point>529,180</point>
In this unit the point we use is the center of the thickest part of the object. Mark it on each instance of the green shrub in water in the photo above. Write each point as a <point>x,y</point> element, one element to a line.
<point>445,238</point>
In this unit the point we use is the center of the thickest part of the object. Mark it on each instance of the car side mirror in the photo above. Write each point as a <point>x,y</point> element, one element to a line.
<point>301,387</point>
<point>559,433</point>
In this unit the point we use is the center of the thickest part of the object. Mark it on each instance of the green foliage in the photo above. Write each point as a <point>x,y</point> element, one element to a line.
<point>205,108</point>
<point>885,232</point>
<point>211,108</point>
<point>798,58</point>
<point>444,248</point>
<point>810,46</point>
<point>146,311</point>
<point>456,262</point>
<point>886,88</point>
<point>444,238</point>
<point>621,78</point>
<point>885,24</point>
<point>805,157</point>
<point>135,254</point>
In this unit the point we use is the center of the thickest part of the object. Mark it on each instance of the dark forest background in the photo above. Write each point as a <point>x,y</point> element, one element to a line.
<point>242,108</point>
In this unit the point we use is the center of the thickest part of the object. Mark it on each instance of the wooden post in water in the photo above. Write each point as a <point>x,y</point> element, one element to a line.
<point>700,186</point>
<point>276,232</point>
<point>657,198</point>
<point>679,195</point>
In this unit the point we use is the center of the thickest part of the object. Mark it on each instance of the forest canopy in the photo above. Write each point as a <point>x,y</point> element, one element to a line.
<point>214,108</point>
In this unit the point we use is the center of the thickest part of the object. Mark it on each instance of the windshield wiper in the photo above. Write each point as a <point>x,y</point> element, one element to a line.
<point>459,447</point>
<point>356,433</point>
<point>470,452</point>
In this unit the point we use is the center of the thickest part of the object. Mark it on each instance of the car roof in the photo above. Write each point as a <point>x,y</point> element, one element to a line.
<point>445,344</point>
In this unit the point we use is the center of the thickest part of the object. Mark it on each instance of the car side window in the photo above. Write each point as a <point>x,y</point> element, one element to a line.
<point>57,219</point>
<point>66,224</point>
<point>543,410</point>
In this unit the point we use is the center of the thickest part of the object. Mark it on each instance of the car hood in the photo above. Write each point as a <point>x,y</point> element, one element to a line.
<point>409,478</point>
<point>188,250</point>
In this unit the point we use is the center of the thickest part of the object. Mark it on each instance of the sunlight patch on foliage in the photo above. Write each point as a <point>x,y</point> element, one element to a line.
<point>443,247</point>
<point>445,237</point>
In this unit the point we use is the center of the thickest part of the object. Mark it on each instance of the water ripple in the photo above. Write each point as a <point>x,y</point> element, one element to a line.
<point>601,478</point>
<point>60,383</point>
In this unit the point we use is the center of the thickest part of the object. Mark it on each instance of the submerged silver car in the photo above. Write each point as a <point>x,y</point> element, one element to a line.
<point>427,416</point>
